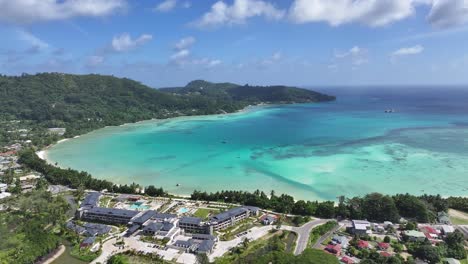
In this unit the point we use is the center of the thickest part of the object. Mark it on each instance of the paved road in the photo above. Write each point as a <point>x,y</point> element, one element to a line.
<point>324,237</point>
<point>303,234</point>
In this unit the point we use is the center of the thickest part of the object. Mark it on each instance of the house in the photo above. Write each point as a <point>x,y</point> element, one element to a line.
<point>342,240</point>
<point>362,244</point>
<point>443,218</point>
<point>4,195</point>
<point>415,235</point>
<point>96,229</point>
<point>385,254</point>
<point>3,187</point>
<point>430,232</point>
<point>108,215</point>
<point>383,246</point>
<point>360,227</point>
<point>447,229</point>
<point>194,225</point>
<point>87,242</point>
<point>346,260</point>
<point>232,216</point>
<point>75,228</point>
<point>333,249</point>
<point>57,131</point>
<point>268,219</point>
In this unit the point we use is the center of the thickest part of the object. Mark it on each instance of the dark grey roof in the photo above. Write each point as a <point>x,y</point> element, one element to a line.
<point>184,243</point>
<point>144,217</point>
<point>113,211</point>
<point>190,220</point>
<point>89,240</point>
<point>153,227</point>
<point>167,226</point>
<point>206,246</point>
<point>252,208</point>
<point>91,200</point>
<point>78,229</point>
<point>132,229</point>
<point>97,229</point>
<point>229,214</point>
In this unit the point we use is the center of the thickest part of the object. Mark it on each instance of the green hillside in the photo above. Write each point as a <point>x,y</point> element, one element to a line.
<point>82,103</point>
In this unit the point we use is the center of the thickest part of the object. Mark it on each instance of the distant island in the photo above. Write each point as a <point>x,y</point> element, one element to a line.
<point>82,103</point>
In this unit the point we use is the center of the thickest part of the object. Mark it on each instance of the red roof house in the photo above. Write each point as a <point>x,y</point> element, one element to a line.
<point>385,254</point>
<point>383,246</point>
<point>334,249</point>
<point>347,260</point>
<point>363,244</point>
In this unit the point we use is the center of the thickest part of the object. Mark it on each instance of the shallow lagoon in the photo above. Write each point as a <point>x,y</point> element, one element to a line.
<point>311,151</point>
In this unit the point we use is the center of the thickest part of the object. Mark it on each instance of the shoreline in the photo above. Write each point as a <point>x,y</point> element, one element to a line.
<point>42,153</point>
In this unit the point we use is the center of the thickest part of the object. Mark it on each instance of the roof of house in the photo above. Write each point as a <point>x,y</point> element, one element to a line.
<point>97,229</point>
<point>336,247</point>
<point>89,240</point>
<point>383,245</point>
<point>184,243</point>
<point>363,244</point>
<point>447,228</point>
<point>385,254</point>
<point>347,260</point>
<point>206,246</point>
<point>414,233</point>
<point>429,229</point>
<point>113,211</point>
<point>91,200</point>
<point>190,220</point>
<point>143,217</point>
<point>153,227</point>
<point>167,226</point>
<point>221,217</point>
<point>361,224</point>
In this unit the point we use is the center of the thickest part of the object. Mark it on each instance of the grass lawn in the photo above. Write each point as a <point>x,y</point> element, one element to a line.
<point>203,213</point>
<point>290,240</point>
<point>458,217</point>
<point>464,261</point>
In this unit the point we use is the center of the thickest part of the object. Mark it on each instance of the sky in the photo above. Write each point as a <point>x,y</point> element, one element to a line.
<point>292,42</point>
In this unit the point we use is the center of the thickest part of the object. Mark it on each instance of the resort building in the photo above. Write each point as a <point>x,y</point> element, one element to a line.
<point>108,215</point>
<point>231,217</point>
<point>360,227</point>
<point>194,225</point>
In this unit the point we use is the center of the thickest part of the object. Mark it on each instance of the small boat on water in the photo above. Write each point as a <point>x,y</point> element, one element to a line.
<point>178,184</point>
<point>390,110</point>
<point>224,142</point>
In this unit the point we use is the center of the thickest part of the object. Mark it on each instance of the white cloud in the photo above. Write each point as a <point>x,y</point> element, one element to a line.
<point>166,5</point>
<point>237,13</point>
<point>124,42</point>
<point>180,55</point>
<point>337,12</point>
<point>93,61</point>
<point>185,43</point>
<point>356,55</point>
<point>30,11</point>
<point>408,51</point>
<point>32,40</point>
<point>448,13</point>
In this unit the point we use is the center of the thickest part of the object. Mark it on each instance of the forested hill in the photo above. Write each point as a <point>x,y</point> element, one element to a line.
<point>82,103</point>
<point>250,94</point>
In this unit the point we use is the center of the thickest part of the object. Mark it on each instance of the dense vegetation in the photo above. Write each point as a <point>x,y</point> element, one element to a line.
<point>30,228</point>
<point>249,94</point>
<point>374,206</point>
<point>81,103</point>
<point>76,179</point>
<point>273,250</point>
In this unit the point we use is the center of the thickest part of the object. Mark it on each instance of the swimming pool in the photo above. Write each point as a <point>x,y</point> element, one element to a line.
<point>139,206</point>
<point>183,210</point>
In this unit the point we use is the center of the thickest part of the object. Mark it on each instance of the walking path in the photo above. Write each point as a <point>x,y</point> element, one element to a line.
<point>53,257</point>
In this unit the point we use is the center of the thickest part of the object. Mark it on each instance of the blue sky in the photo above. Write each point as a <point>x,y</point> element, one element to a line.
<point>295,42</point>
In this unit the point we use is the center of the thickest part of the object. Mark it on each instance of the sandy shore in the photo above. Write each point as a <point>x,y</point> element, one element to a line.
<point>42,154</point>
<point>54,256</point>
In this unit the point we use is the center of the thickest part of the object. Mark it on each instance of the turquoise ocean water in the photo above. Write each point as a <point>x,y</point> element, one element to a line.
<point>310,151</point>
